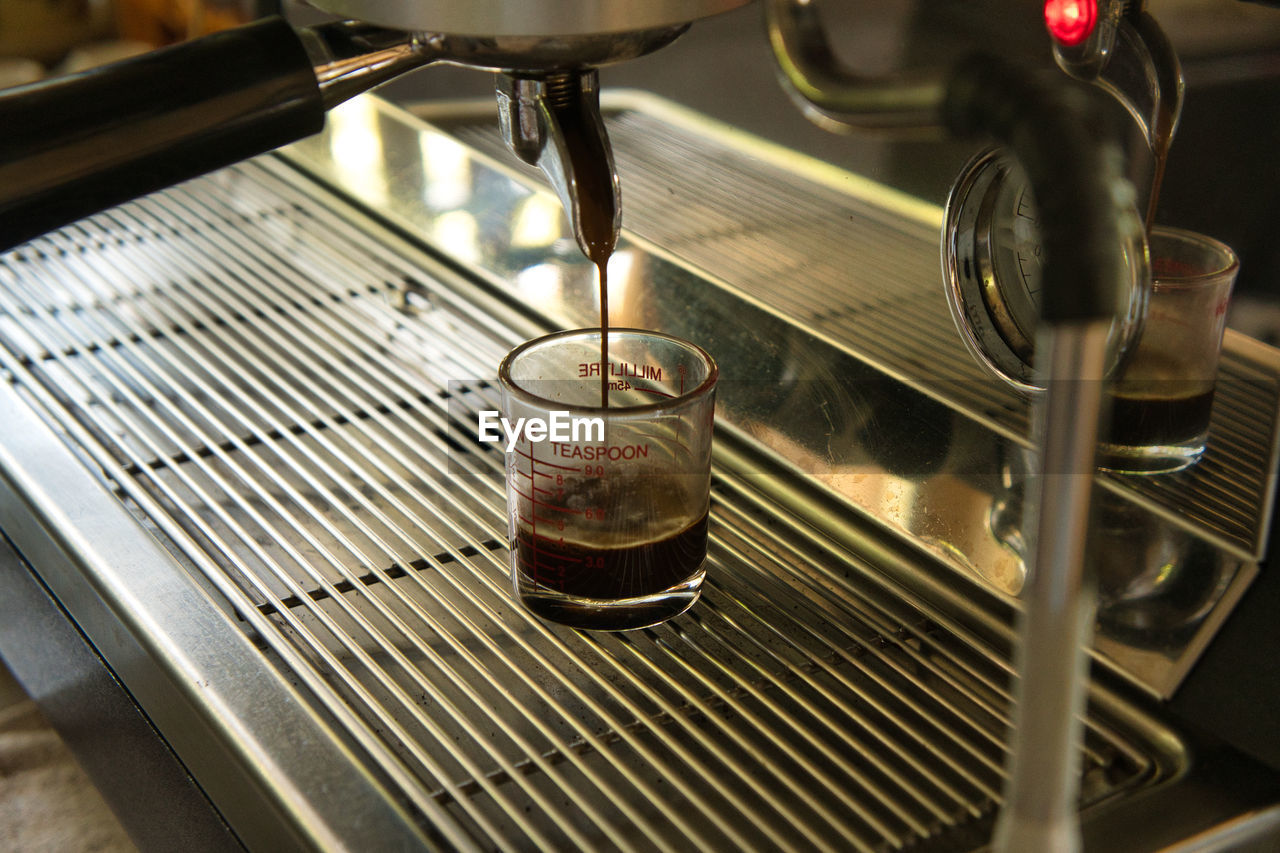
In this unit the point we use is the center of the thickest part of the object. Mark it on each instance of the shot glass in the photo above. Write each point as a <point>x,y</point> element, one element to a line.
<point>1162,395</point>
<point>608,463</point>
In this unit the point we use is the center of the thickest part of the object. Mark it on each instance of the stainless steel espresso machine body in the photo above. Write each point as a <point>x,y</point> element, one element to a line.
<point>257,558</point>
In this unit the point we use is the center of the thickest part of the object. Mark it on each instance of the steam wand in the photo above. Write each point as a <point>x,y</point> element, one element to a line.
<point>1075,180</point>
<point>1073,176</point>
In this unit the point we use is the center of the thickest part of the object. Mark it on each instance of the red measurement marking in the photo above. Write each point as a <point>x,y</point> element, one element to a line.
<point>561,467</point>
<point>560,508</point>
<point>533,528</point>
<point>529,456</point>
<point>559,557</point>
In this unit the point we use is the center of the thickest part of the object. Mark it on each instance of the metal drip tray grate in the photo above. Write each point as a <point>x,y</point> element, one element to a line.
<point>253,375</point>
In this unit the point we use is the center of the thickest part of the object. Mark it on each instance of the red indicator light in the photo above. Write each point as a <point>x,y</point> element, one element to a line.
<point>1070,21</point>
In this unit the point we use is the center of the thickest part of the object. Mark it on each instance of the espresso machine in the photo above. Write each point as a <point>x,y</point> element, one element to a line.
<point>255,558</point>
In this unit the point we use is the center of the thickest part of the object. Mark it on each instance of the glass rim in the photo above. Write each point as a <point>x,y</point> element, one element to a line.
<point>530,398</point>
<point>1228,264</point>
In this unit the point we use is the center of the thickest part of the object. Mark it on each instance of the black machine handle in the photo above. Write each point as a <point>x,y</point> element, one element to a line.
<point>74,146</point>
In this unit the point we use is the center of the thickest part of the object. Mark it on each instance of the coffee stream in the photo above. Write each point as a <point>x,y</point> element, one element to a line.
<point>593,178</point>
<point>596,218</point>
<point>1164,124</point>
<point>597,226</point>
<point>602,267</point>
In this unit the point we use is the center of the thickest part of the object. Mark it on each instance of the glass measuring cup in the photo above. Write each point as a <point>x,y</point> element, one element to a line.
<point>607,506</point>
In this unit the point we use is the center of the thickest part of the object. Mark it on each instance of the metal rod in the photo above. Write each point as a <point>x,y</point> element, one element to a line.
<point>1058,603</point>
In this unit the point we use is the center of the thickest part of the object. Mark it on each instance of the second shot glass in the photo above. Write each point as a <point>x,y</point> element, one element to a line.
<point>1162,394</point>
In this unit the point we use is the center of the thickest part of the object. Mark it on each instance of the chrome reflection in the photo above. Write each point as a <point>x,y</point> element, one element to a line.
<point>1157,582</point>
<point>540,284</point>
<point>446,168</point>
<point>457,232</point>
<point>538,222</point>
<point>356,146</point>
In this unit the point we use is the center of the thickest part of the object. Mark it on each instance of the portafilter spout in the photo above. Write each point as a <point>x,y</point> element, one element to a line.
<point>554,123</point>
<point>548,104</point>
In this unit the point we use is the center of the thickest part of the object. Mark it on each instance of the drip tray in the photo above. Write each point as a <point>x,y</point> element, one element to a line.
<point>242,456</point>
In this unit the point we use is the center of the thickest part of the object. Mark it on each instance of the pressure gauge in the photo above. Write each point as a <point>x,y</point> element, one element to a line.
<point>991,257</point>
